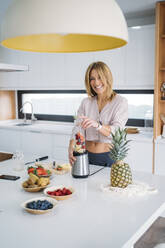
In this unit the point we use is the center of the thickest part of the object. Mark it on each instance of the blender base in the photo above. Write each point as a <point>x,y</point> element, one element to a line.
<point>75,176</point>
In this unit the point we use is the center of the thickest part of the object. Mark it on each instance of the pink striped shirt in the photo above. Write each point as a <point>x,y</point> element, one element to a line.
<point>114,113</point>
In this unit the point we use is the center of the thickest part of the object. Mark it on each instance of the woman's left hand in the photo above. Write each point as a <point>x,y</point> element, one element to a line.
<point>87,122</point>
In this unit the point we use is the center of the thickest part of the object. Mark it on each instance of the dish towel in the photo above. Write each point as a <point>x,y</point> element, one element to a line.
<point>134,189</point>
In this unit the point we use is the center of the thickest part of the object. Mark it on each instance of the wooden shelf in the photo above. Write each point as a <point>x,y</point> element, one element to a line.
<point>159,105</point>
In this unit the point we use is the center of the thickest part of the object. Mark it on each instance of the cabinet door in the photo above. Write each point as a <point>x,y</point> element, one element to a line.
<point>74,69</point>
<point>9,140</point>
<point>136,158</point>
<point>159,158</point>
<point>115,59</point>
<point>60,144</point>
<point>36,144</point>
<point>140,58</point>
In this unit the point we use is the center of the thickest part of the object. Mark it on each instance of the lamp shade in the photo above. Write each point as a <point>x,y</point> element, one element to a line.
<point>63,26</point>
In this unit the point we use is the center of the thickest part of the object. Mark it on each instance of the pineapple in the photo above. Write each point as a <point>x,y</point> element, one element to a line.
<point>121,175</point>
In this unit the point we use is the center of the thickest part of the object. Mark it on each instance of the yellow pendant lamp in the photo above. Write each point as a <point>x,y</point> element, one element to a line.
<point>64,26</point>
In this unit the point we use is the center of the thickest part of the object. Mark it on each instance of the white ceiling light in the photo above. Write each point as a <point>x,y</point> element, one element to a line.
<point>64,26</point>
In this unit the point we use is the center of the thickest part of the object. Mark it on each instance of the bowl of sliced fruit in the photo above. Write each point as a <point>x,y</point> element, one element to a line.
<point>35,183</point>
<point>61,169</point>
<point>59,193</point>
<point>40,205</point>
<point>39,171</point>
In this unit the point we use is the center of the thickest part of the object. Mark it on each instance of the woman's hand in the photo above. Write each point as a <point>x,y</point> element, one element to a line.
<point>87,122</point>
<point>72,159</point>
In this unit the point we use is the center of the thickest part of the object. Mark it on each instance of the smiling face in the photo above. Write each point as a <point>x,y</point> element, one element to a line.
<point>97,83</point>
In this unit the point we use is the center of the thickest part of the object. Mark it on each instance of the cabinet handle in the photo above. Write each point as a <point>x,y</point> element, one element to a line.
<point>35,131</point>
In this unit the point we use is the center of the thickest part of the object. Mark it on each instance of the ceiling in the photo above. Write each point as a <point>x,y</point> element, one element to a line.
<point>131,8</point>
<point>137,7</point>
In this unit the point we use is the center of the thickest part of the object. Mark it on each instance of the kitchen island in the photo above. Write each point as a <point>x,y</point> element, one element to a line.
<point>90,218</point>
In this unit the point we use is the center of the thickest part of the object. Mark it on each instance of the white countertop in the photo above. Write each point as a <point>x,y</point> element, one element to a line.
<point>39,126</point>
<point>91,218</point>
<point>64,128</point>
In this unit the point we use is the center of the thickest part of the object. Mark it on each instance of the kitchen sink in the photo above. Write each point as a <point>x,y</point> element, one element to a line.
<point>23,124</point>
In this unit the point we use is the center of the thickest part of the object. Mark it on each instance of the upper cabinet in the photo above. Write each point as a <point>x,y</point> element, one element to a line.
<point>132,66</point>
<point>140,58</point>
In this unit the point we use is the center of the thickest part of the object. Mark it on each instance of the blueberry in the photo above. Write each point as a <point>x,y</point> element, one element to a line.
<point>39,205</point>
<point>50,206</point>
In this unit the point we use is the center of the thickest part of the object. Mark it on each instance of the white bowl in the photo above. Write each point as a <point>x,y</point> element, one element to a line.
<point>35,211</point>
<point>59,198</point>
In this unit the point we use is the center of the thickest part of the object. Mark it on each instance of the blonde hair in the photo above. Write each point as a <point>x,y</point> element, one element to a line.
<point>106,77</point>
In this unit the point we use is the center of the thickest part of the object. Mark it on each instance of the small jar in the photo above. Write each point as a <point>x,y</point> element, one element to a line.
<point>148,121</point>
<point>162,89</point>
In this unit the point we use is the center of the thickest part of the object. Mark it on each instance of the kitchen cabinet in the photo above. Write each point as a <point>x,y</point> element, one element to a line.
<point>35,143</point>
<point>136,158</point>
<point>10,140</point>
<point>53,140</point>
<point>60,144</point>
<point>74,69</point>
<point>132,66</point>
<point>159,156</point>
<point>115,59</point>
<point>140,58</point>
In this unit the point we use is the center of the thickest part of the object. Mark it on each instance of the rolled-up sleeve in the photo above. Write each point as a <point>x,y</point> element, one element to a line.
<point>120,116</point>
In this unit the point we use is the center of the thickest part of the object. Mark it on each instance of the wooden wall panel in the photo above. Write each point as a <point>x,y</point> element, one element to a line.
<point>7,105</point>
<point>159,105</point>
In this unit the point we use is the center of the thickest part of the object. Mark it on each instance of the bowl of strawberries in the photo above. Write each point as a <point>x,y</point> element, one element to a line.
<point>59,192</point>
<point>39,171</point>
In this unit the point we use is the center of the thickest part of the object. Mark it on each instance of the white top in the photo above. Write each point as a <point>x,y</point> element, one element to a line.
<point>114,113</point>
<point>91,218</point>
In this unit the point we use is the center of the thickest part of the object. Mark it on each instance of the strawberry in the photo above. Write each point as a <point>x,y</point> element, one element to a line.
<point>57,193</point>
<point>41,171</point>
<point>40,166</point>
<point>30,170</point>
<point>68,192</point>
<point>64,191</point>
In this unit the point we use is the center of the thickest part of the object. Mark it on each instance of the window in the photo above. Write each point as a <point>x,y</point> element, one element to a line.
<point>140,104</point>
<point>60,105</point>
<point>51,105</point>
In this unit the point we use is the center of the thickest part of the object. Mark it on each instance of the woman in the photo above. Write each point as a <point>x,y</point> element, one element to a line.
<point>101,113</point>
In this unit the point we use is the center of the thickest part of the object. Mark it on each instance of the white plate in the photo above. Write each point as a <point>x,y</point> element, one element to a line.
<point>35,211</point>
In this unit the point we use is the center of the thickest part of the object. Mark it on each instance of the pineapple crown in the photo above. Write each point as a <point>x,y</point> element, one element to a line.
<point>119,145</point>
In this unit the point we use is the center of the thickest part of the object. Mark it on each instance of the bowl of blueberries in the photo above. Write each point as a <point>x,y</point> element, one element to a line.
<point>39,205</point>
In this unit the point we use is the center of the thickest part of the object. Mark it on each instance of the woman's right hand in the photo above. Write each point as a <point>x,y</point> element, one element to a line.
<point>72,159</point>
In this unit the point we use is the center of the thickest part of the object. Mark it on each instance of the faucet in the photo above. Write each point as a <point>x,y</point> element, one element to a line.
<point>33,118</point>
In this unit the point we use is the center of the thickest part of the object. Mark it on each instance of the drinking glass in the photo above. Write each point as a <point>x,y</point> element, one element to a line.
<point>18,161</point>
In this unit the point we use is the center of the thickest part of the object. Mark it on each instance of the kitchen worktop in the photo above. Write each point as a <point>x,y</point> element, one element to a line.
<point>40,126</point>
<point>64,128</point>
<point>91,218</point>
